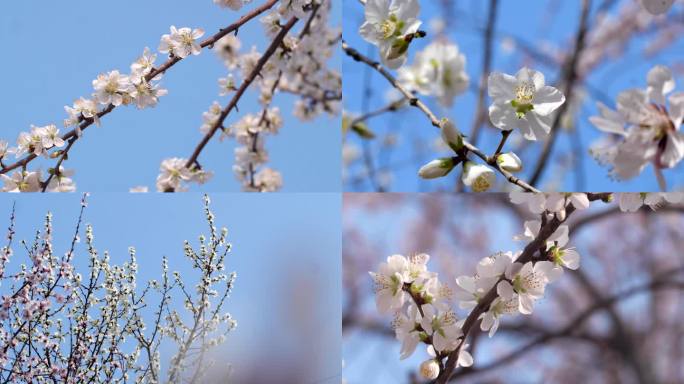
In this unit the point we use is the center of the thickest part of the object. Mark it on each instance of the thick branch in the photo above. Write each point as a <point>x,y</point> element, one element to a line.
<point>243,87</point>
<point>483,304</point>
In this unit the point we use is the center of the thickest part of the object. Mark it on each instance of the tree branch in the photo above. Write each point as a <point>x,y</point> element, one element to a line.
<point>417,103</point>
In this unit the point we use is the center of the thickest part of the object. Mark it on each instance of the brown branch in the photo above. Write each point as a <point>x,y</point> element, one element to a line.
<point>483,304</point>
<point>417,103</point>
<point>209,42</point>
<point>243,87</point>
<point>656,284</point>
<point>571,76</point>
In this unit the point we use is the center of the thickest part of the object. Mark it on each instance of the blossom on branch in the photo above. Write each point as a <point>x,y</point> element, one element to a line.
<point>391,25</point>
<point>523,101</point>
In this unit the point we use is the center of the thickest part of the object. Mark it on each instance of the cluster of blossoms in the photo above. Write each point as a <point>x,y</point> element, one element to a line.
<point>250,133</point>
<point>297,67</point>
<point>58,325</point>
<point>522,101</point>
<point>110,90</point>
<point>174,175</point>
<point>36,142</point>
<point>644,129</point>
<point>504,284</point>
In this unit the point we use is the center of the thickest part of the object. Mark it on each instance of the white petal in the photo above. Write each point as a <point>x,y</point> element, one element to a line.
<point>505,290</point>
<point>407,9</point>
<point>571,259</point>
<point>660,83</point>
<point>501,87</point>
<point>525,304</point>
<point>376,10</point>
<point>608,126</point>
<point>677,108</point>
<point>536,77</point>
<point>465,359</point>
<point>579,200</point>
<point>674,149</point>
<point>534,127</point>
<point>630,202</point>
<point>632,104</point>
<point>503,116</point>
<point>547,99</point>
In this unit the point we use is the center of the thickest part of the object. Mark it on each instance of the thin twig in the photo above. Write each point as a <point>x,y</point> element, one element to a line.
<point>417,103</point>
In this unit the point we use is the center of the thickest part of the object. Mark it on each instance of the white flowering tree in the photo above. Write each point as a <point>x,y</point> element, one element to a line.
<point>65,324</point>
<point>424,69</point>
<point>300,41</point>
<point>528,300</point>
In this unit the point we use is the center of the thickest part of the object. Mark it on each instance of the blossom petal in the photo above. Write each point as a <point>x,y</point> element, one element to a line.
<point>660,83</point>
<point>406,10</point>
<point>501,87</point>
<point>534,126</point>
<point>547,99</point>
<point>377,10</point>
<point>674,150</point>
<point>677,108</point>
<point>527,74</point>
<point>503,116</point>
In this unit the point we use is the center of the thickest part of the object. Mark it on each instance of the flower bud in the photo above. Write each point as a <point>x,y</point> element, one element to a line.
<point>478,177</point>
<point>429,369</point>
<point>509,162</point>
<point>450,134</point>
<point>437,168</point>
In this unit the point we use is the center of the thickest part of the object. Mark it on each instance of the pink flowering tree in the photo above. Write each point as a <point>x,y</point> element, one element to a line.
<point>62,324</point>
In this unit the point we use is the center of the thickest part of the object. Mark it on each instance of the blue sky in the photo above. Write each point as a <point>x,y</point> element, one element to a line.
<point>280,283</point>
<point>53,50</point>
<point>537,22</point>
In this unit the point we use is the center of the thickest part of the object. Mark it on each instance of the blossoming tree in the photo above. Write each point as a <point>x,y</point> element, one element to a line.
<point>64,324</point>
<point>423,69</point>
<point>513,302</point>
<point>300,39</point>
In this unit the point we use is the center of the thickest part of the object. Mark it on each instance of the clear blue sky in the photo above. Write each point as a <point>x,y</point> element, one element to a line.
<point>281,284</point>
<point>532,24</point>
<point>53,50</point>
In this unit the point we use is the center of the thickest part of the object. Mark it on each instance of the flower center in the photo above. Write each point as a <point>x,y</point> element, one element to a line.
<point>481,184</point>
<point>391,27</point>
<point>112,87</point>
<point>187,39</point>
<point>524,94</point>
